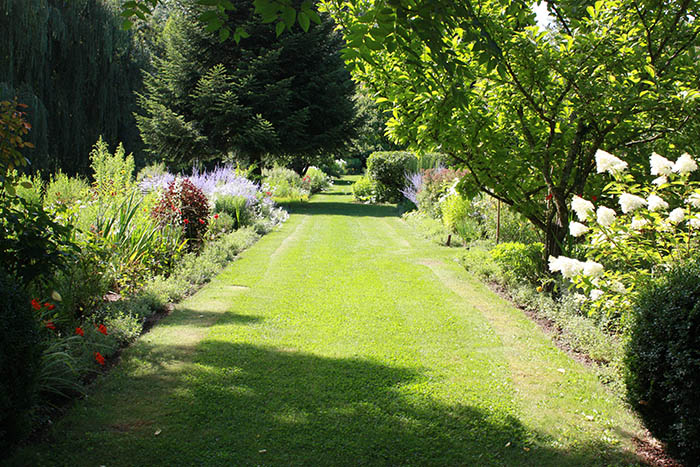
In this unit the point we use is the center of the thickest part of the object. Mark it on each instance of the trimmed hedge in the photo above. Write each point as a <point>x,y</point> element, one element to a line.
<point>388,170</point>
<point>663,360</point>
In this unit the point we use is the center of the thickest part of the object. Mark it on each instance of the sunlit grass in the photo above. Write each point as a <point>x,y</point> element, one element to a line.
<point>343,339</point>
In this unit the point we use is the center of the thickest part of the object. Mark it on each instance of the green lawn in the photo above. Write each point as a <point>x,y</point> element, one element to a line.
<point>343,339</point>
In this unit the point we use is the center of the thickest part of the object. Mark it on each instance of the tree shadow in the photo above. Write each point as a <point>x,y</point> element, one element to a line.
<point>278,406</point>
<point>334,208</point>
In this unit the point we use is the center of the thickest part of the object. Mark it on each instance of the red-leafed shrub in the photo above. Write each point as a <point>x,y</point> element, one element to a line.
<point>185,206</point>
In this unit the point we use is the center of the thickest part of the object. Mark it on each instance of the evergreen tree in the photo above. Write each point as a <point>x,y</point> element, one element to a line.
<point>75,68</point>
<point>285,98</point>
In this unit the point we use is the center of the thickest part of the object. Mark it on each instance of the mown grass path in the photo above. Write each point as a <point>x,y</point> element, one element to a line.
<point>343,339</point>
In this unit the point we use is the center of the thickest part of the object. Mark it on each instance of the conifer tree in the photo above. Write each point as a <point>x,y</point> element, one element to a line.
<point>285,98</point>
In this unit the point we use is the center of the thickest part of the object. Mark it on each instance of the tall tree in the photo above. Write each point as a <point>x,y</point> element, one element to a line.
<point>288,96</point>
<point>76,69</point>
<point>526,109</point>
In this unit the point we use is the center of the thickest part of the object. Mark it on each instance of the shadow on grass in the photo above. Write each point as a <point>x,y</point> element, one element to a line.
<point>242,404</point>
<point>333,208</point>
<point>342,182</point>
<point>280,406</point>
<point>195,318</point>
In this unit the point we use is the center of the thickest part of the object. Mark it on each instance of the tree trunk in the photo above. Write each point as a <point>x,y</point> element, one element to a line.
<point>554,238</point>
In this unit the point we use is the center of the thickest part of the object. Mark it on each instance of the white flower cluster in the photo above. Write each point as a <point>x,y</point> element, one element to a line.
<point>606,162</point>
<point>570,267</point>
<point>582,207</point>
<point>630,202</point>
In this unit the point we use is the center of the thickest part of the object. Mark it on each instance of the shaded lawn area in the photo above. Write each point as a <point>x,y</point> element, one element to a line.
<point>343,339</point>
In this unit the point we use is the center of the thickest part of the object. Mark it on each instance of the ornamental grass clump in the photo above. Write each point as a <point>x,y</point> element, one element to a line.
<point>657,227</point>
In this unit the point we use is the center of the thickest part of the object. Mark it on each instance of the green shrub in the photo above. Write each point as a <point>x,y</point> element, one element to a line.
<point>113,173</point>
<point>426,226</point>
<point>20,357</point>
<point>221,224</point>
<point>520,262</point>
<point>388,170</point>
<point>32,243</point>
<point>316,180</point>
<point>457,215</point>
<point>353,166</point>
<point>124,326</point>
<point>31,189</point>
<point>65,191</point>
<point>435,185</point>
<point>663,360</point>
<point>236,207</point>
<point>150,171</point>
<point>479,262</point>
<point>363,189</point>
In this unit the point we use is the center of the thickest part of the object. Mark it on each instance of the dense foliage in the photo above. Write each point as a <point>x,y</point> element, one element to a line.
<point>20,353</point>
<point>663,359</point>
<point>388,170</point>
<point>525,109</point>
<point>76,69</point>
<point>184,206</point>
<point>286,96</point>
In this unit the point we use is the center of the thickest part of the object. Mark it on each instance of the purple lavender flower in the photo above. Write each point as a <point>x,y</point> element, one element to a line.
<point>414,183</point>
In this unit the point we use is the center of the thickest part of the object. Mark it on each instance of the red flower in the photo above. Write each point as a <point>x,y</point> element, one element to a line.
<point>268,193</point>
<point>549,196</point>
<point>49,306</point>
<point>594,198</point>
<point>100,359</point>
<point>186,221</point>
<point>201,221</point>
<point>79,331</point>
<point>216,216</point>
<point>50,325</point>
<point>35,304</point>
<point>102,328</point>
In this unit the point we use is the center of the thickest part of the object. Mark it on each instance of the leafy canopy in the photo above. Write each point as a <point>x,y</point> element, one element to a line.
<point>523,108</point>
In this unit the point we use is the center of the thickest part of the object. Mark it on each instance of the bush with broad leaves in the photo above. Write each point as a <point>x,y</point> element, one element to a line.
<point>632,233</point>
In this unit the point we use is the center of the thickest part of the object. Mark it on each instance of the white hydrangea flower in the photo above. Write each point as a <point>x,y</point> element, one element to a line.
<point>618,287</point>
<point>596,294</point>
<point>606,216</point>
<point>656,203</point>
<point>694,222</point>
<point>592,269</point>
<point>568,267</point>
<point>606,162</point>
<point>676,216</point>
<point>577,229</point>
<point>694,200</point>
<point>660,165</point>
<point>629,202</point>
<point>685,164</point>
<point>582,207</point>
<point>659,181</point>
<point>638,223</point>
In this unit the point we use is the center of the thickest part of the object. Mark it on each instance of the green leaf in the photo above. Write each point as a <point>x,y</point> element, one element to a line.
<point>313,16</point>
<point>224,34</point>
<point>127,24</point>
<point>26,184</point>
<point>304,21</point>
<point>289,16</point>
<point>279,29</point>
